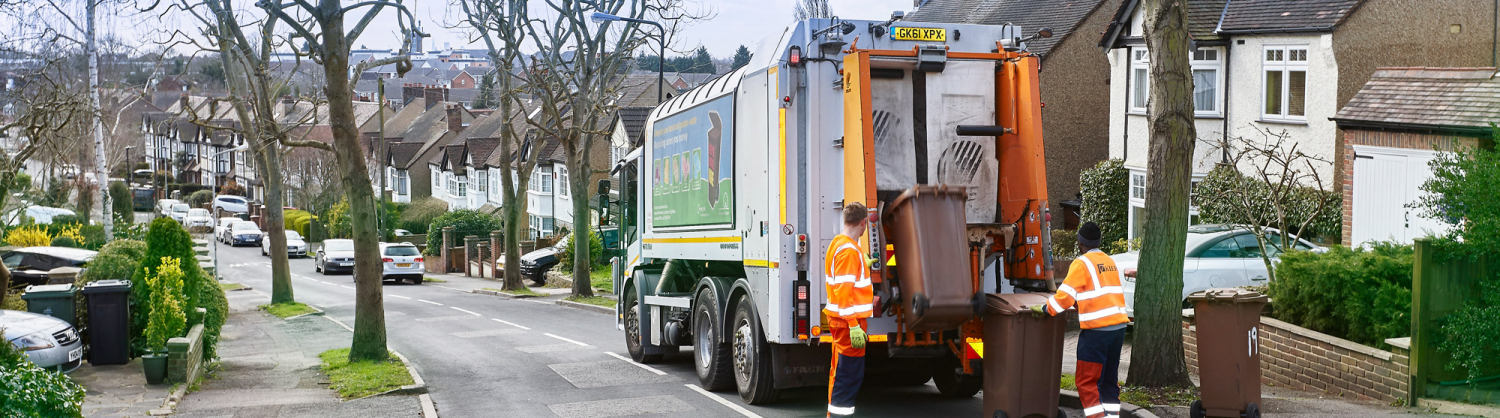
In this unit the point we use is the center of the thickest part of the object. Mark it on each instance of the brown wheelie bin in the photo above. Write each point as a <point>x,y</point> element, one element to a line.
<point>927,229</point>
<point>1023,355</point>
<point>1228,352</point>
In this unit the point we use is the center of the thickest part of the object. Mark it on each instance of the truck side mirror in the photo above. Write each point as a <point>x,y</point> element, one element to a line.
<point>603,209</point>
<point>603,187</point>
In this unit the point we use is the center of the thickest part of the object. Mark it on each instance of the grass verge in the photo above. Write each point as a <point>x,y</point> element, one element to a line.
<point>593,300</point>
<point>431,279</point>
<point>524,291</point>
<point>1144,397</point>
<point>599,278</point>
<point>363,378</point>
<point>229,287</point>
<point>288,310</point>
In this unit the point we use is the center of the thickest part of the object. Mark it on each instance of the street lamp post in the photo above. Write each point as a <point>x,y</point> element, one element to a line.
<point>214,176</point>
<point>661,46</point>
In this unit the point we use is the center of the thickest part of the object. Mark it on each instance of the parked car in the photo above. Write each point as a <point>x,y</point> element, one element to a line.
<point>243,232</point>
<point>29,266</point>
<point>197,218</point>
<point>231,203</point>
<point>295,245</point>
<point>48,342</point>
<point>164,206</point>
<point>140,198</point>
<point>179,212</point>
<point>401,261</point>
<point>535,264</point>
<point>401,232</point>
<point>335,254</point>
<point>1217,256</point>
<point>38,215</point>
<point>223,225</point>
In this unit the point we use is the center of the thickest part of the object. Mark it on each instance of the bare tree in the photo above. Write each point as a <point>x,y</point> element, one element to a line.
<point>1281,189</point>
<point>1157,358</point>
<point>811,9</point>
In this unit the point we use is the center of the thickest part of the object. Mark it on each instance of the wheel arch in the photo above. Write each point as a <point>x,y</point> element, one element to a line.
<point>738,291</point>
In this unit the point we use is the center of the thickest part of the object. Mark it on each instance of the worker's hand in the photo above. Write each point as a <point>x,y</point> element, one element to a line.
<point>857,337</point>
<point>1038,310</point>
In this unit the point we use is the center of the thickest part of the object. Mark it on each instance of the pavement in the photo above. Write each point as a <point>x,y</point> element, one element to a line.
<point>118,390</point>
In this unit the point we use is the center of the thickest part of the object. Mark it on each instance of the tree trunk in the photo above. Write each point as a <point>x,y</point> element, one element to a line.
<point>510,211</point>
<point>1157,357</point>
<point>578,179</point>
<point>369,300</point>
<point>275,222</point>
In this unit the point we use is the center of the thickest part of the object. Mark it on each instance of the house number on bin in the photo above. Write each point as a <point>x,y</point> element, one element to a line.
<point>1254,340</point>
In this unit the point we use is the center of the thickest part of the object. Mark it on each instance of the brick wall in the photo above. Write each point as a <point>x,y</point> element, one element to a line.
<point>1388,139</point>
<point>185,356</point>
<point>1302,359</point>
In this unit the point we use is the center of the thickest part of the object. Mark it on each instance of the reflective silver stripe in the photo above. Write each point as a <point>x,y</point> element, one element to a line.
<point>1107,290</point>
<point>1069,290</point>
<point>840,410</point>
<point>1102,313</point>
<point>857,309</point>
<point>1056,308</point>
<point>1112,407</point>
<point>831,307</point>
<point>1093,272</point>
<point>1096,409</point>
<point>847,278</point>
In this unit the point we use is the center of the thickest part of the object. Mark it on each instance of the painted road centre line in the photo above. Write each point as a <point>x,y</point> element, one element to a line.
<point>565,339</point>
<point>399,296</point>
<point>506,323</point>
<point>627,360</point>
<point>465,311</point>
<point>722,401</point>
<point>346,287</point>
<point>428,301</point>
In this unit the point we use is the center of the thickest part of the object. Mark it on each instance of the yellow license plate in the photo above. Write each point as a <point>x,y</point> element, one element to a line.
<point>403,264</point>
<point>919,34</point>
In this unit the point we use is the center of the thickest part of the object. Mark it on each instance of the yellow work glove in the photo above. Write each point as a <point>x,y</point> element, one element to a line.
<point>857,337</point>
<point>1038,310</point>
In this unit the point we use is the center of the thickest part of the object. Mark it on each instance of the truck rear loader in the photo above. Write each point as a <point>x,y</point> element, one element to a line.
<point>727,205</point>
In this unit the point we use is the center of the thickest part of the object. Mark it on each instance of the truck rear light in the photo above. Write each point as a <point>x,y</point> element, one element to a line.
<point>801,305</point>
<point>794,58</point>
<point>388,260</point>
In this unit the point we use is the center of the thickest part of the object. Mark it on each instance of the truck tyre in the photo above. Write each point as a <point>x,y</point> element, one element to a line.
<point>752,356</point>
<point>950,381</point>
<point>633,342</point>
<point>710,357</point>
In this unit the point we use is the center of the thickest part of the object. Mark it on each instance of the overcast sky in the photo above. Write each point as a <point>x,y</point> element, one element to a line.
<point>734,22</point>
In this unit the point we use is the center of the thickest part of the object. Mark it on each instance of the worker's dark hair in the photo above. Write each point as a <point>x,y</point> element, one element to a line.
<point>854,213</point>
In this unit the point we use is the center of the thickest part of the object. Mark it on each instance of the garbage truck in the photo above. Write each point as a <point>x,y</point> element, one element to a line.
<point>728,201</point>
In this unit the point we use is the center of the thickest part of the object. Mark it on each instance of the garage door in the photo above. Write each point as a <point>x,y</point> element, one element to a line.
<point>1385,181</point>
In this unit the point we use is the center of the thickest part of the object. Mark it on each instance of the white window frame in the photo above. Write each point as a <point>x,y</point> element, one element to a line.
<point>401,179</point>
<point>546,180</point>
<point>562,182</point>
<point>1140,62</point>
<point>463,186</point>
<point>1286,65</point>
<point>482,179</point>
<point>1140,202</point>
<point>1212,60</point>
<point>1140,59</point>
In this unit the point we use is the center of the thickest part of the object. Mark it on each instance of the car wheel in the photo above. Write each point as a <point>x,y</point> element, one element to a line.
<point>633,340</point>
<point>710,357</point>
<point>318,267</point>
<point>752,357</point>
<point>416,280</point>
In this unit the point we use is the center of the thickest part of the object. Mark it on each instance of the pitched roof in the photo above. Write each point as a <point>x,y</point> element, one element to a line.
<point>402,152</point>
<point>1458,99</point>
<point>635,122</point>
<point>1250,16</point>
<point>640,90</point>
<point>1062,16</point>
<point>480,149</point>
<point>1203,21</point>
<point>397,125</point>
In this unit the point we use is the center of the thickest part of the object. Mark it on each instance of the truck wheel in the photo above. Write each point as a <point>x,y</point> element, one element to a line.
<point>949,380</point>
<point>710,357</point>
<point>633,341</point>
<point>752,357</point>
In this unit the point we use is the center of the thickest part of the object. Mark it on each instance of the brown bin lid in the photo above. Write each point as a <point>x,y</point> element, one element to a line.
<point>1014,303</point>
<point>1229,295</point>
<point>900,202</point>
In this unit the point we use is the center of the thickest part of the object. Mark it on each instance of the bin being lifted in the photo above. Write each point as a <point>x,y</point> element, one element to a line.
<point>728,203</point>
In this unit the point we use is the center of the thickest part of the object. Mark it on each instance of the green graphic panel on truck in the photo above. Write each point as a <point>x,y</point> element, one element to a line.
<point>692,167</point>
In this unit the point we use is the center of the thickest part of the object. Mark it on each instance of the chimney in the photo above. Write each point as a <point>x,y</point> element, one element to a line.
<point>435,95</point>
<point>409,92</point>
<point>455,118</point>
<point>184,100</point>
<point>287,105</point>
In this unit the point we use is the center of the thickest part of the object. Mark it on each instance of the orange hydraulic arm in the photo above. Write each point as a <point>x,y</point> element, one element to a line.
<point>1023,169</point>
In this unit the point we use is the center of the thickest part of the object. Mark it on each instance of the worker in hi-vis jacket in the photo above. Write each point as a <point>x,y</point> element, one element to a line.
<point>1093,285</point>
<point>851,299</point>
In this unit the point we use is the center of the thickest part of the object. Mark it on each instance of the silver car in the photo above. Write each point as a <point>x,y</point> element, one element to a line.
<point>295,245</point>
<point>401,261</point>
<point>48,342</point>
<point>335,254</point>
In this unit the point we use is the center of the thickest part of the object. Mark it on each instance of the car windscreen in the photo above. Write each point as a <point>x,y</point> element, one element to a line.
<point>13,259</point>
<point>401,250</point>
<point>234,200</point>
<point>197,212</point>
<point>290,234</point>
<point>243,226</point>
<point>180,207</point>
<point>332,245</point>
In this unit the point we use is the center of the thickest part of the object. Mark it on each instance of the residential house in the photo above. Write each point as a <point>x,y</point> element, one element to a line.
<point>1396,124</point>
<point>434,122</point>
<point>1272,68</point>
<point>1075,77</point>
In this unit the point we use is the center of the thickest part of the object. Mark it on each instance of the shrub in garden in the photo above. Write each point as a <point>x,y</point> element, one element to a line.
<point>199,198</point>
<point>61,220</point>
<point>596,251</point>
<point>28,236</point>
<point>337,218</point>
<point>1105,188</point>
<point>1064,244</point>
<point>115,261</point>
<point>297,220</point>
<point>1299,206</point>
<point>1359,295</point>
<point>30,391</point>
<point>232,188</point>
<point>64,241</point>
<point>167,318</point>
<point>120,202</point>
<point>419,214</point>
<point>465,222</point>
<point>166,238</point>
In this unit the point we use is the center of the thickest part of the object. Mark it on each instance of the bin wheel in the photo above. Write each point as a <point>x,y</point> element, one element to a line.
<point>1061,413</point>
<point>1002,414</point>
<point>1251,411</point>
<point>1196,410</point>
<point>633,342</point>
<point>751,356</point>
<point>951,383</point>
<point>710,357</point>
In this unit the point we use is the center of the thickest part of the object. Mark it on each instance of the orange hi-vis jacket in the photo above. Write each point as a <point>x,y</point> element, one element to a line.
<point>850,293</point>
<point>1093,283</point>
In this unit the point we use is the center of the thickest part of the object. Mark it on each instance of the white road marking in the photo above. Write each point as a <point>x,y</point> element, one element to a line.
<point>722,401</point>
<point>428,301</point>
<point>399,296</point>
<point>628,360</point>
<point>347,287</point>
<point>565,339</point>
<point>465,311</point>
<point>505,322</point>
<point>328,283</point>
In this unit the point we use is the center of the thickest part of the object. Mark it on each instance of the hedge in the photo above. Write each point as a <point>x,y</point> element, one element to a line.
<point>1226,180</point>
<point>465,222</point>
<point>1355,294</point>
<point>167,238</point>
<point>27,390</point>
<point>121,202</point>
<point>1106,200</point>
<point>420,214</point>
<point>297,220</point>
